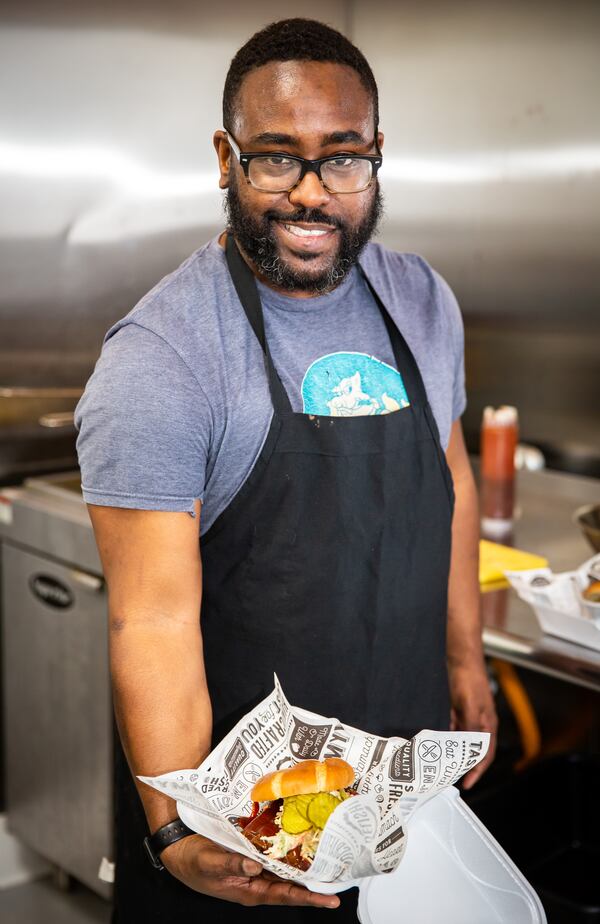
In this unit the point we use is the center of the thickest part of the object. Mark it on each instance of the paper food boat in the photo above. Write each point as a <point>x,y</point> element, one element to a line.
<point>367,834</point>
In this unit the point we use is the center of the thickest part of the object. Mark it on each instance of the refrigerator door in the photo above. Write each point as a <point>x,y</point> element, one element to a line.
<point>57,712</point>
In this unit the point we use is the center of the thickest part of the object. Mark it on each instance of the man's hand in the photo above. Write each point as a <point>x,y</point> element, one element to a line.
<point>204,866</point>
<point>470,695</point>
<point>473,709</point>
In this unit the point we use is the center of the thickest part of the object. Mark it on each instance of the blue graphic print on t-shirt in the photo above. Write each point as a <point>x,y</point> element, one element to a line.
<point>352,385</point>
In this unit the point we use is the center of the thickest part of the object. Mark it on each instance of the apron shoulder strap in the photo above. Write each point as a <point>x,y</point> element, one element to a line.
<point>405,360</point>
<point>245,286</point>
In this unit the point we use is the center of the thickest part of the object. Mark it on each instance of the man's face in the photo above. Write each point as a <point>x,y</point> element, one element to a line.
<point>312,110</point>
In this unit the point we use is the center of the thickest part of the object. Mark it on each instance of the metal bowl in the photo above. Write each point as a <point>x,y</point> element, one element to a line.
<point>588,520</point>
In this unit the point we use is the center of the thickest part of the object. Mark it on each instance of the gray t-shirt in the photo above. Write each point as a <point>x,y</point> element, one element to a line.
<point>178,406</point>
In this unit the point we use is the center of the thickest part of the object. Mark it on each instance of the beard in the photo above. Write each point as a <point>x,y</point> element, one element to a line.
<point>256,236</point>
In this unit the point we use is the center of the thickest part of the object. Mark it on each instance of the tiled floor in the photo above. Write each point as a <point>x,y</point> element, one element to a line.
<point>42,902</point>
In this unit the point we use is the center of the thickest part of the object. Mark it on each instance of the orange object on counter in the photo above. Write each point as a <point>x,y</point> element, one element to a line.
<point>499,436</point>
<point>522,710</point>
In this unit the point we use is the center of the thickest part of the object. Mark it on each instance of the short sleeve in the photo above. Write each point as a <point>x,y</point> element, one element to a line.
<point>144,426</point>
<point>457,342</point>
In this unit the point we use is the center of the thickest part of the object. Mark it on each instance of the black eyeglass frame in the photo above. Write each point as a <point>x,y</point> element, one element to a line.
<point>306,166</point>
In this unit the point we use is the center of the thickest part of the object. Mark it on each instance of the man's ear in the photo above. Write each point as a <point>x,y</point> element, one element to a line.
<point>223,156</point>
<point>380,137</point>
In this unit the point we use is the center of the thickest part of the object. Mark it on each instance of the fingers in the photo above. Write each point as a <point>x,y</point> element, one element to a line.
<point>213,860</point>
<point>474,718</point>
<point>263,891</point>
<point>484,718</point>
<point>269,875</point>
<point>476,773</point>
<point>208,868</point>
<point>489,725</point>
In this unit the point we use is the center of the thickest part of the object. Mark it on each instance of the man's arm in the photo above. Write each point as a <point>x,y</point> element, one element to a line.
<point>151,561</point>
<point>471,697</point>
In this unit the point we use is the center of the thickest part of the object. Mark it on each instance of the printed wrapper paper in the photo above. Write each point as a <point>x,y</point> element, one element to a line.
<point>365,835</point>
<point>562,592</point>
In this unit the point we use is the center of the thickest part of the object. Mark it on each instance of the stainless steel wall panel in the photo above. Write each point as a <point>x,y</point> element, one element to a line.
<point>492,172</point>
<point>492,156</point>
<point>107,171</point>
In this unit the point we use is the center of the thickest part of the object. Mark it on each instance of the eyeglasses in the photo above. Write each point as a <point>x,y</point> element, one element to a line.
<point>277,173</point>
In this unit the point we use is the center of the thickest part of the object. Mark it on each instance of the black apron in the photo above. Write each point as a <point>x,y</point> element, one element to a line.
<point>330,568</point>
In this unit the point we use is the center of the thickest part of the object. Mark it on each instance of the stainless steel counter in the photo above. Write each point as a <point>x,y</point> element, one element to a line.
<point>544,525</point>
<point>546,501</point>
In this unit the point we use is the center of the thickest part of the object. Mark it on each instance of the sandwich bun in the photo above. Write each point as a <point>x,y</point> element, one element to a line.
<point>308,776</point>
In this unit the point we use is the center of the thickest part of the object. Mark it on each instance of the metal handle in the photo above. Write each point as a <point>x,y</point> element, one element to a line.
<point>57,419</point>
<point>89,581</point>
<point>18,392</point>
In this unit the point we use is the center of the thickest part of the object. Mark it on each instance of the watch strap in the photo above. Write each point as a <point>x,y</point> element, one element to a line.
<point>169,834</point>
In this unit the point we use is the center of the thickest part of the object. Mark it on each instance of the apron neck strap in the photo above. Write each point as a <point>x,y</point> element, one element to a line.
<point>245,286</point>
<point>405,361</point>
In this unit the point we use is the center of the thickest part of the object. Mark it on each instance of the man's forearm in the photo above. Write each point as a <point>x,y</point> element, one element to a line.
<point>470,695</point>
<point>152,564</point>
<point>464,619</point>
<point>161,702</point>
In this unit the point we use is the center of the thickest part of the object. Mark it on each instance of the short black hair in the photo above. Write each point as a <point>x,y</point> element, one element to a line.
<point>295,40</point>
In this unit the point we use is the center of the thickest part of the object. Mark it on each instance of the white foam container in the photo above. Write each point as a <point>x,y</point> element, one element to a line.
<point>576,629</point>
<point>582,627</point>
<point>453,872</point>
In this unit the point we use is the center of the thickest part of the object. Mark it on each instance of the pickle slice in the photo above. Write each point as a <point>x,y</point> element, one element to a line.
<point>321,808</point>
<point>291,819</point>
<point>302,803</point>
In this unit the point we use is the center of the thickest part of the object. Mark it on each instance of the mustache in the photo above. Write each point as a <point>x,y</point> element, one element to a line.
<point>308,216</point>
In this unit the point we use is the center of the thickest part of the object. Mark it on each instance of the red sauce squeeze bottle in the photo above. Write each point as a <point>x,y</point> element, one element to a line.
<point>499,436</point>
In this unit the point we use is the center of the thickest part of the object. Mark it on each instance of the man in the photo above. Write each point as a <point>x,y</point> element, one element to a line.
<point>297,408</point>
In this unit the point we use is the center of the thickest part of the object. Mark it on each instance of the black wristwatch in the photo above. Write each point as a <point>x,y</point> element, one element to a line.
<point>163,838</point>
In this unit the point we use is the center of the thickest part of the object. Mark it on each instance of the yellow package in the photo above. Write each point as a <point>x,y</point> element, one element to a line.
<point>495,559</point>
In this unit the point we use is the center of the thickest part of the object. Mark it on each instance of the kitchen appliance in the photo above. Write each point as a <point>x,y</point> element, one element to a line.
<point>57,709</point>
